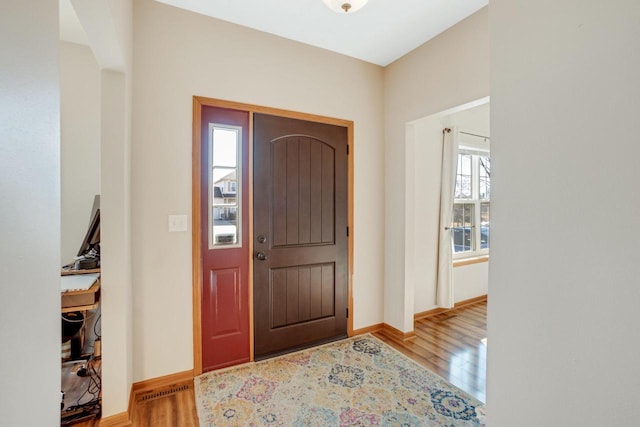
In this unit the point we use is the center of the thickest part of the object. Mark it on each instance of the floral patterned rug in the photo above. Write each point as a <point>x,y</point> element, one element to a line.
<point>359,381</point>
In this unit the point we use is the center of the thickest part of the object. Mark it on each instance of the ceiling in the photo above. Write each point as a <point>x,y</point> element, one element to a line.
<point>381,32</point>
<point>70,28</point>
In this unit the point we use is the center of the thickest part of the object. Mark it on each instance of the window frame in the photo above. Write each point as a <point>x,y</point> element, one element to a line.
<point>212,244</point>
<point>477,202</point>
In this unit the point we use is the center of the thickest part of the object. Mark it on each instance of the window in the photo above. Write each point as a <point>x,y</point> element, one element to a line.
<point>471,207</point>
<point>224,210</point>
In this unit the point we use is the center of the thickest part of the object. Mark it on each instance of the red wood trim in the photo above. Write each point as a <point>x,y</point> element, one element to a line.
<point>373,328</point>
<point>438,310</point>
<point>470,261</point>
<point>163,381</point>
<point>350,224</point>
<point>250,207</point>
<point>252,108</point>
<point>196,254</point>
<point>397,334</point>
<point>123,419</point>
<point>428,313</point>
<point>117,420</point>
<point>470,301</point>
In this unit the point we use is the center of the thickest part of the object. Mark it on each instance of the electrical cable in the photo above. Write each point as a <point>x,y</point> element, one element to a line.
<point>95,331</point>
<point>93,388</point>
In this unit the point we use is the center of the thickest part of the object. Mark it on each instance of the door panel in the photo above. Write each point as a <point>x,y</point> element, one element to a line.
<point>300,224</point>
<point>224,239</point>
<point>225,305</point>
<point>303,185</point>
<point>301,294</point>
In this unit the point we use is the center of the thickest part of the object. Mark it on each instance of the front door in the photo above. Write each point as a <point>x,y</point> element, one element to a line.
<point>300,233</point>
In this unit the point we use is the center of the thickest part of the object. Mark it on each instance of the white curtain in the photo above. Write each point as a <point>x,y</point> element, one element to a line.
<point>444,287</point>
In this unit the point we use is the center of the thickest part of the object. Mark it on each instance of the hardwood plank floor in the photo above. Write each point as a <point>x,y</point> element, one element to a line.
<point>178,409</point>
<point>452,344</point>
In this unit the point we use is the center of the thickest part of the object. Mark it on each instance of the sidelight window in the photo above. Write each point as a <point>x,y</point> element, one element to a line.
<point>224,185</point>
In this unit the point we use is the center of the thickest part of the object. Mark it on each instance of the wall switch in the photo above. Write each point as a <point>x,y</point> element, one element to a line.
<point>177,223</point>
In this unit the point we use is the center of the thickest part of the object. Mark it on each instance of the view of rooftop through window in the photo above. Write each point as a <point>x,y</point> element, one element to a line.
<point>225,200</point>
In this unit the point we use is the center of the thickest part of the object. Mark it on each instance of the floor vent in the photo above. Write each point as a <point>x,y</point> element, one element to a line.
<point>157,394</point>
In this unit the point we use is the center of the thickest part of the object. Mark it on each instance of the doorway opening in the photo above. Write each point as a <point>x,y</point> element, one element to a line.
<point>424,184</point>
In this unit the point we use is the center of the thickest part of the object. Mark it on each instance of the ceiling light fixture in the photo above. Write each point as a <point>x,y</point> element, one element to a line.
<point>345,6</point>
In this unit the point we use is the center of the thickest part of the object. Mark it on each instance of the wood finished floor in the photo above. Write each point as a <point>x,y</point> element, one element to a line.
<point>452,344</point>
<point>178,409</point>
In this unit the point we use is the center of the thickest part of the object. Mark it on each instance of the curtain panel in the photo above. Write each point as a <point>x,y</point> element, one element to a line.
<point>444,286</point>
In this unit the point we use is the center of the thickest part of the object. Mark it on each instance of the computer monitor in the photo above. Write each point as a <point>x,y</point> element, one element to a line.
<point>92,237</point>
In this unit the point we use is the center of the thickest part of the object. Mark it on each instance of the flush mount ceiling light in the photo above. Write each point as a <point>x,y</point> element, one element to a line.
<point>345,6</point>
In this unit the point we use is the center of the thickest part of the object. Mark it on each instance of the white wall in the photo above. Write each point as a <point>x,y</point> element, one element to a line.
<point>180,54</point>
<point>470,281</point>
<point>450,70</point>
<point>115,25</point>
<point>563,319</point>
<point>117,316</point>
<point>79,143</point>
<point>474,119</point>
<point>423,201</point>
<point>108,24</point>
<point>29,214</point>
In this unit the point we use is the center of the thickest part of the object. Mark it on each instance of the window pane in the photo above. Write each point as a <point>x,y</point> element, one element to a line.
<point>224,188</point>
<point>485,177</point>
<point>225,147</point>
<point>484,226</point>
<point>225,225</point>
<point>463,177</point>
<point>462,227</point>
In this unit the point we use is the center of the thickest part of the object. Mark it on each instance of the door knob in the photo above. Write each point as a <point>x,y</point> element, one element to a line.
<point>262,256</point>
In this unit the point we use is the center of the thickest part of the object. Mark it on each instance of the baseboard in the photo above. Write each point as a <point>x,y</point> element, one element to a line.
<point>154,384</point>
<point>438,310</point>
<point>160,386</point>
<point>470,301</point>
<point>118,420</point>
<point>397,334</point>
<point>368,329</point>
<point>428,313</point>
<point>406,336</point>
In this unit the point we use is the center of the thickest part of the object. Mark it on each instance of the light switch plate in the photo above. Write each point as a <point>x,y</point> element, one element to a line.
<point>177,223</point>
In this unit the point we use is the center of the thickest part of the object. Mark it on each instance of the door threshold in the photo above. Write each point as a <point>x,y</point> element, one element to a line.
<point>300,347</point>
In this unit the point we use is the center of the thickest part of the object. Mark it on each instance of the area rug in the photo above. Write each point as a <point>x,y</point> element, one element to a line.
<point>359,381</point>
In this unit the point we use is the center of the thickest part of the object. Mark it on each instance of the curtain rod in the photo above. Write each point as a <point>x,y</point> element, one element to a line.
<point>473,134</point>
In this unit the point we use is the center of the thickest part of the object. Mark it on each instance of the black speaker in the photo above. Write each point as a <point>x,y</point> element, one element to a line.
<point>76,347</point>
<point>71,324</point>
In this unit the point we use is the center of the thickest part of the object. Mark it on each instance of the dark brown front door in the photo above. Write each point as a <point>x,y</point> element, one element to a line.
<point>300,233</point>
